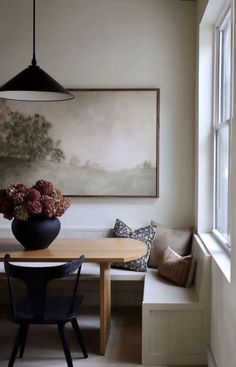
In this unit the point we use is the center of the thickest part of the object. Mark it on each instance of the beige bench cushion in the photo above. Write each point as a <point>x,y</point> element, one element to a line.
<point>89,271</point>
<point>157,290</point>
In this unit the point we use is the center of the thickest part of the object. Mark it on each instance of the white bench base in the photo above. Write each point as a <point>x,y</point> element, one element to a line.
<point>175,320</point>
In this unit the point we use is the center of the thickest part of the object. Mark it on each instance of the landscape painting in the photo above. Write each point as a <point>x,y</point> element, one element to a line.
<point>101,143</point>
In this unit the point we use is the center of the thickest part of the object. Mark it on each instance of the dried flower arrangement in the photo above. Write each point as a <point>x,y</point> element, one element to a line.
<point>42,199</point>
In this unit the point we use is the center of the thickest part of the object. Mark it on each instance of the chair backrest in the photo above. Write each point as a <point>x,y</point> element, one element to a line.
<point>36,280</point>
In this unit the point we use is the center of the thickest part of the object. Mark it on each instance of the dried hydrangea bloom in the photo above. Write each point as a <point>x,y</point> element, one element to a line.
<point>48,204</point>
<point>63,206</point>
<point>34,207</point>
<point>33,195</point>
<point>44,187</point>
<point>21,212</point>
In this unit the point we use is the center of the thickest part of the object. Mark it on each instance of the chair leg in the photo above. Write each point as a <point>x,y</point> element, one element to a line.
<point>65,344</point>
<point>79,337</point>
<point>16,346</point>
<point>24,337</point>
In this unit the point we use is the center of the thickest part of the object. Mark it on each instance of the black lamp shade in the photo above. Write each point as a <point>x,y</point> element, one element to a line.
<point>34,84</point>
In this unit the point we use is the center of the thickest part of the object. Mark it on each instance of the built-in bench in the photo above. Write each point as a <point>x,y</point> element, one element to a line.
<point>175,320</point>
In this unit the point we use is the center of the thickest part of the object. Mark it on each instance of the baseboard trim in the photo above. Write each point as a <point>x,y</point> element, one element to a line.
<point>211,359</point>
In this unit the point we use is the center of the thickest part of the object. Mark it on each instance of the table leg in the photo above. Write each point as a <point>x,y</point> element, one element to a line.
<point>105,305</point>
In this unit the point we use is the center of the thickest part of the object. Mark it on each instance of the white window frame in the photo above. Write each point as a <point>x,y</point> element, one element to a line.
<point>218,124</point>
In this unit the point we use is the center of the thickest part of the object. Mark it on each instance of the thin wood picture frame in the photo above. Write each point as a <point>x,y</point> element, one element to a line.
<point>103,143</point>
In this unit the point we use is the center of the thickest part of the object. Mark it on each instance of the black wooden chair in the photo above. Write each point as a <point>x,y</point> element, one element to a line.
<point>38,307</point>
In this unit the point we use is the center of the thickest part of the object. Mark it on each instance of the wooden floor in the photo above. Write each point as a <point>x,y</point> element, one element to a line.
<point>44,349</point>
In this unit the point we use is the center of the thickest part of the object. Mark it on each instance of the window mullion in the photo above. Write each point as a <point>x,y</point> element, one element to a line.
<point>221,127</point>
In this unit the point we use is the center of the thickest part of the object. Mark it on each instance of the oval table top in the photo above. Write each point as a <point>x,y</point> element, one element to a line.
<point>66,249</point>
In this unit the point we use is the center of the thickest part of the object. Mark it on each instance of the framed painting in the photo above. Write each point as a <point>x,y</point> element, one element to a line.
<point>103,143</point>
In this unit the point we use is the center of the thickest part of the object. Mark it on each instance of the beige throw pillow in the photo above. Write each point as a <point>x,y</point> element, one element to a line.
<point>178,239</point>
<point>176,268</point>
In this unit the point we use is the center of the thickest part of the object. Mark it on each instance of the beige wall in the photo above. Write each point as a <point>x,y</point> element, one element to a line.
<point>201,6</point>
<point>123,44</point>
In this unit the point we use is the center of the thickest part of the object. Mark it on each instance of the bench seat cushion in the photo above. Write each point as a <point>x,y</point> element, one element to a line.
<point>157,290</point>
<point>89,271</point>
<point>92,270</point>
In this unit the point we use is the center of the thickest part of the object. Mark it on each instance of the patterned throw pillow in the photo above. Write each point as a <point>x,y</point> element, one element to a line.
<point>176,268</point>
<point>146,234</point>
<point>178,239</point>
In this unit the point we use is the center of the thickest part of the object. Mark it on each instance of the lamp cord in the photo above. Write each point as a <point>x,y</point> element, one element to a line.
<point>34,62</point>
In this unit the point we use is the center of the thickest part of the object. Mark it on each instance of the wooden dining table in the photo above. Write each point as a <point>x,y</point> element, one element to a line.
<point>100,250</point>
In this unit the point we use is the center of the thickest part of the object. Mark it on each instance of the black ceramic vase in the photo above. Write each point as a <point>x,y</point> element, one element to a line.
<point>37,232</point>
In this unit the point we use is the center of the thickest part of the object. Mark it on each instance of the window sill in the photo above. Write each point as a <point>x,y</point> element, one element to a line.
<point>219,254</point>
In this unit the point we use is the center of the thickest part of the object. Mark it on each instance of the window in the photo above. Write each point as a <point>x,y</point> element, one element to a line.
<point>222,124</point>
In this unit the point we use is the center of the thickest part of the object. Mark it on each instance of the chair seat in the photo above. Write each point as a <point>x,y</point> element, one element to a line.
<point>56,311</point>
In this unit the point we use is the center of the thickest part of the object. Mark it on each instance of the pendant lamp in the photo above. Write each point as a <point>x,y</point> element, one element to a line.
<point>33,83</point>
